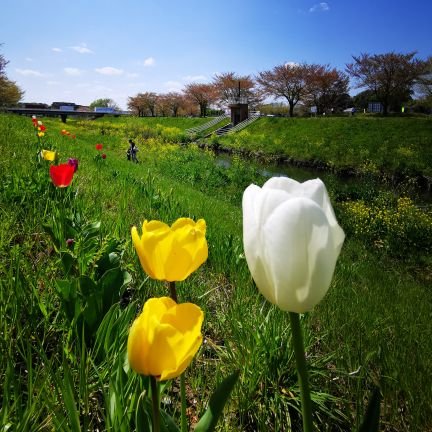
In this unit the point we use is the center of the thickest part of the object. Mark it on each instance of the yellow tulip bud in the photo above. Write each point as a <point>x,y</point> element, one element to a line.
<point>164,339</point>
<point>171,253</point>
<point>48,155</point>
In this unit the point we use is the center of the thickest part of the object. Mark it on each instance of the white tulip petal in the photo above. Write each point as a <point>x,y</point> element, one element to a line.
<point>287,236</point>
<point>292,241</point>
<point>283,183</point>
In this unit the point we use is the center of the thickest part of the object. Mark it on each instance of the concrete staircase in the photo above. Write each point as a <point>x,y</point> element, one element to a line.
<point>228,129</point>
<point>208,125</point>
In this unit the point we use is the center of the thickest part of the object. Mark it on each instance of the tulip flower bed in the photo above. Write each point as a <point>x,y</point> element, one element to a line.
<point>74,279</point>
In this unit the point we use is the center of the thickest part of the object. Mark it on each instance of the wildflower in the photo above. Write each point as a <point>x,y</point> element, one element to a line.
<point>103,156</point>
<point>164,338</point>
<point>73,162</point>
<point>61,175</point>
<point>99,147</point>
<point>291,241</point>
<point>40,134</point>
<point>171,253</point>
<point>48,155</point>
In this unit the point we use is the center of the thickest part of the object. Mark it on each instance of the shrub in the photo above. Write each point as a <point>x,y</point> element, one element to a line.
<point>397,225</point>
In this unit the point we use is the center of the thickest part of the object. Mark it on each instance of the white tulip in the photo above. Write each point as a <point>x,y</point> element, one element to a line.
<point>291,241</point>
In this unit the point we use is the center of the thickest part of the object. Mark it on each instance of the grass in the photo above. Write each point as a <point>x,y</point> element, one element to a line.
<point>365,332</point>
<point>390,145</point>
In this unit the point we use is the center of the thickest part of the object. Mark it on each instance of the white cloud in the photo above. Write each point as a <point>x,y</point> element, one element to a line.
<point>53,83</point>
<point>73,71</point>
<point>108,70</point>
<point>291,64</point>
<point>173,86</point>
<point>195,78</point>
<point>150,61</point>
<point>82,49</point>
<point>56,49</point>
<point>29,59</point>
<point>132,75</point>
<point>320,7</point>
<point>30,72</point>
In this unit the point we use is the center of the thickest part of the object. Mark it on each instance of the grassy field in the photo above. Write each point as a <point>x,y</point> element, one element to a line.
<point>373,327</point>
<point>389,145</point>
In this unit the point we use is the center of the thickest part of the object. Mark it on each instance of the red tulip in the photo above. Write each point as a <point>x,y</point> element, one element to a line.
<point>42,128</point>
<point>98,146</point>
<point>103,156</point>
<point>61,175</point>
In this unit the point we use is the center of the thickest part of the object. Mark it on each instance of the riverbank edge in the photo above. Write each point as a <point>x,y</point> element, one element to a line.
<point>423,182</point>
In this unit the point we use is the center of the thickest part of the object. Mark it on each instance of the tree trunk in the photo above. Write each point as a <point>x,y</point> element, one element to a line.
<point>291,109</point>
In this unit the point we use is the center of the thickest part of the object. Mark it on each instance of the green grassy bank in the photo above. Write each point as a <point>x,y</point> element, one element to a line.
<point>371,329</point>
<point>393,144</point>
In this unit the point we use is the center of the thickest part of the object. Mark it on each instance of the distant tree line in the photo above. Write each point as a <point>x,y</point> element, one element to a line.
<point>391,79</point>
<point>10,93</point>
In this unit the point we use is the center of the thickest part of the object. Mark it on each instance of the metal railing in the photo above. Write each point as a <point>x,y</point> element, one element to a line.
<point>244,123</point>
<point>207,125</point>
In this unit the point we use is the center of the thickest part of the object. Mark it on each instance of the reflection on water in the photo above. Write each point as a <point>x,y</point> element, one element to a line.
<point>274,170</point>
<point>302,174</point>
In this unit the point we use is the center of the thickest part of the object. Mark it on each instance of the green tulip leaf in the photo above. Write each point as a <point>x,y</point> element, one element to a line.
<point>87,286</point>
<point>143,414</point>
<point>68,261</point>
<point>167,423</point>
<point>67,291</point>
<point>371,418</point>
<point>217,402</point>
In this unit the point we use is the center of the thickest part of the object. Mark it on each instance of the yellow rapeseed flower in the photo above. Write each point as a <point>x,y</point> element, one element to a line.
<point>48,155</point>
<point>164,339</point>
<point>171,253</point>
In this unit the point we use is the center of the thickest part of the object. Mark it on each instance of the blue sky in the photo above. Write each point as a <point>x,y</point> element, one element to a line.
<point>81,50</point>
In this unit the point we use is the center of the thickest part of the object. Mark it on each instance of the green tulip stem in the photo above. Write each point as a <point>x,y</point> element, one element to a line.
<point>173,295</point>
<point>302,372</point>
<point>155,405</point>
<point>173,291</point>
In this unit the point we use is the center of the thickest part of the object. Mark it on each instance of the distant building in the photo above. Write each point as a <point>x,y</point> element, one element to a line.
<point>63,105</point>
<point>375,107</point>
<point>34,105</point>
<point>83,108</point>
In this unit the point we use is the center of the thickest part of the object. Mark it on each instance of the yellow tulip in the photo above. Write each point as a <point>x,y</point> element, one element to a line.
<point>164,339</point>
<point>171,253</point>
<point>48,155</point>
<point>40,134</point>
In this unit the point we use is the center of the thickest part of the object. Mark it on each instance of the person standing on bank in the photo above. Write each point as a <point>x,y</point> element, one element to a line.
<point>132,151</point>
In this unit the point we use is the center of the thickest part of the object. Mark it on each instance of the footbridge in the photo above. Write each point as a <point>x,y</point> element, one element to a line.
<point>63,114</point>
